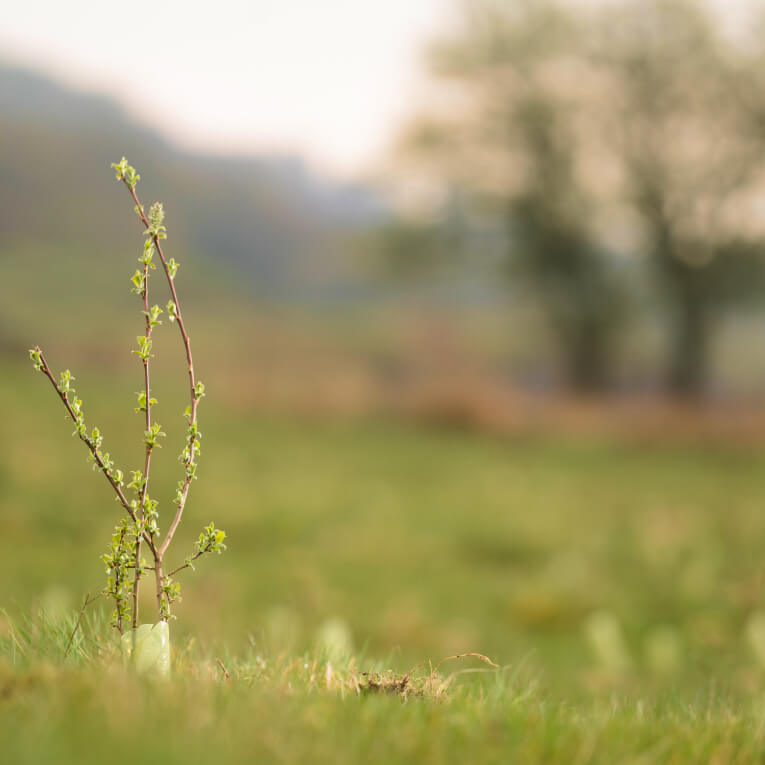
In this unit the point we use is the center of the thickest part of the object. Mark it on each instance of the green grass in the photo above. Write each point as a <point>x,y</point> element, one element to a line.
<point>308,708</point>
<point>614,585</point>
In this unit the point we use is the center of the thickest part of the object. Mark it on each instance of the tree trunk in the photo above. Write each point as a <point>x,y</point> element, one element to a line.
<point>586,361</point>
<point>689,289</point>
<point>687,367</point>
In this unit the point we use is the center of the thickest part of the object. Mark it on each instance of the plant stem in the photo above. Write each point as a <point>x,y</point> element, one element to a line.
<point>147,462</point>
<point>93,448</point>
<point>87,441</point>
<point>159,579</point>
<point>136,580</point>
<point>187,564</point>
<point>117,582</point>
<point>192,383</point>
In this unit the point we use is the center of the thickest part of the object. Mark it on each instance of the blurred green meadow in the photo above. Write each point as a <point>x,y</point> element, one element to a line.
<point>590,561</point>
<point>617,586</point>
<point>616,582</point>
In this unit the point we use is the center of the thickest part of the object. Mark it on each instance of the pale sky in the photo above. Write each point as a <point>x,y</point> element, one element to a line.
<point>330,80</point>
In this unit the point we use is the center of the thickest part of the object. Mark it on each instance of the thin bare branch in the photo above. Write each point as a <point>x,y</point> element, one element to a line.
<point>45,369</point>
<point>188,563</point>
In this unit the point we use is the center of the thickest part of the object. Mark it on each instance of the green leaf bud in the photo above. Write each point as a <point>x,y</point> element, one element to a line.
<point>156,228</point>
<point>35,355</point>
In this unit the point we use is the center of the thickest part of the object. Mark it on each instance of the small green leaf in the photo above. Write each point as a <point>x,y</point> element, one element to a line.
<point>139,282</point>
<point>144,347</point>
<point>35,355</point>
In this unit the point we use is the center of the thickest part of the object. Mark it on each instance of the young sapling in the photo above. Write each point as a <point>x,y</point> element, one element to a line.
<point>140,530</point>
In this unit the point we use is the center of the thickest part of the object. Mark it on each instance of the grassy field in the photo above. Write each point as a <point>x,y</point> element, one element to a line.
<point>618,588</point>
<point>313,709</point>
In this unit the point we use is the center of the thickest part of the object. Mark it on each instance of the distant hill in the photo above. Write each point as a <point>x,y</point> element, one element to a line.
<point>277,226</point>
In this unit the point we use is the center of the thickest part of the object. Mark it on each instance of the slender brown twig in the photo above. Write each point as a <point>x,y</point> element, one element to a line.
<point>159,550</point>
<point>90,443</point>
<point>190,363</point>
<point>189,561</point>
<point>149,446</point>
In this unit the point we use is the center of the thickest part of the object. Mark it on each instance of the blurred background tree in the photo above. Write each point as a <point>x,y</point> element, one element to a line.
<point>629,129</point>
<point>687,109</point>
